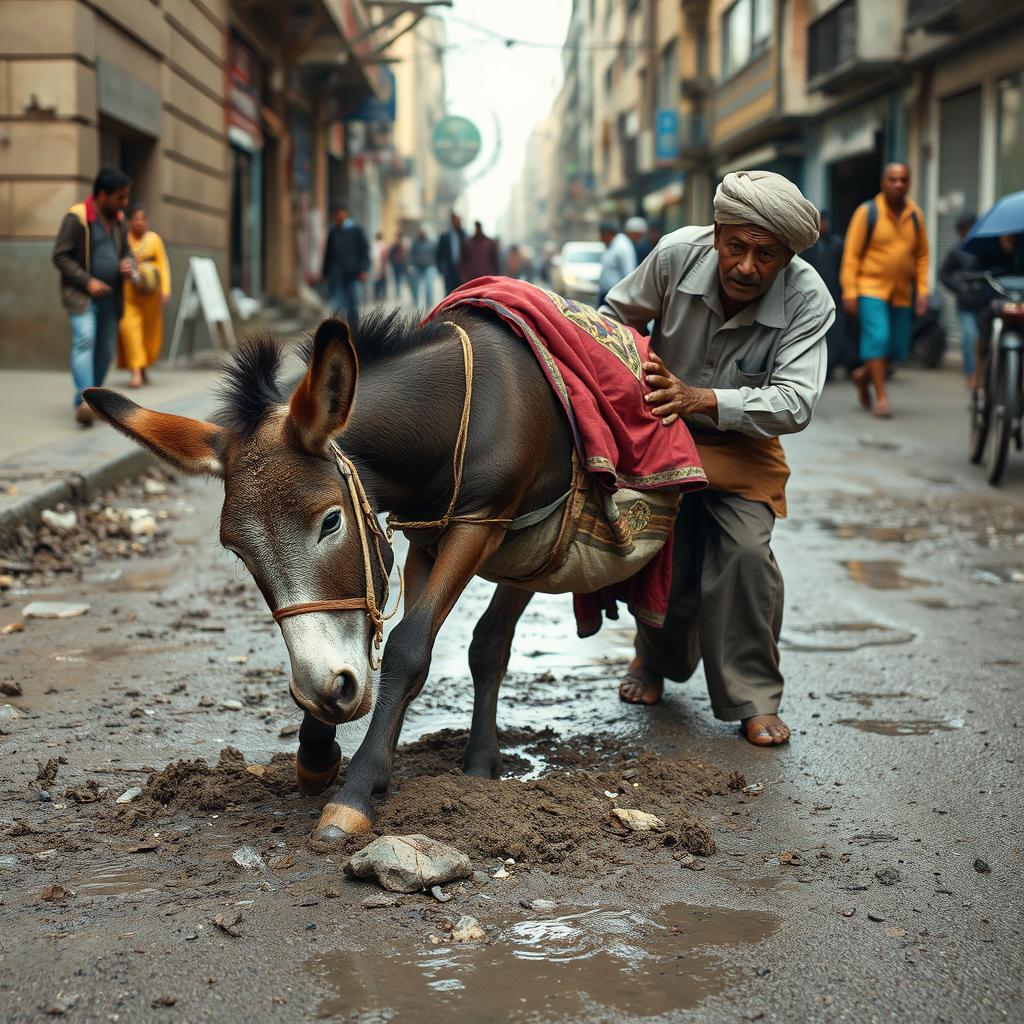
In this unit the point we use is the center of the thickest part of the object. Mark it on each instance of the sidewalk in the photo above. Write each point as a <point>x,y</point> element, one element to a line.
<point>46,458</point>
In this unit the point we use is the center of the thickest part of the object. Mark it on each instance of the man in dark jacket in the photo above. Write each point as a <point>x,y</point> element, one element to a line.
<point>92,254</point>
<point>346,264</point>
<point>479,255</point>
<point>826,256</point>
<point>956,265</point>
<point>449,253</point>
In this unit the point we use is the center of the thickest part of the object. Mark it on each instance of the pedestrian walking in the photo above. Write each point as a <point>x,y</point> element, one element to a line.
<point>398,260</point>
<point>379,267</point>
<point>449,253</point>
<point>421,268</point>
<point>740,325</point>
<point>479,255</point>
<point>636,232</point>
<point>346,263</point>
<point>146,292</point>
<point>826,256</point>
<point>515,263</point>
<point>92,254</point>
<point>618,259</point>
<point>971,293</point>
<point>884,277</point>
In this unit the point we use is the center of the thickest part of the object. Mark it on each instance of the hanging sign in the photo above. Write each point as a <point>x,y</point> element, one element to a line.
<point>456,141</point>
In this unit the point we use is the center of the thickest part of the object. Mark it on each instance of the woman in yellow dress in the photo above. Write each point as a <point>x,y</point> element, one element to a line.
<point>145,294</point>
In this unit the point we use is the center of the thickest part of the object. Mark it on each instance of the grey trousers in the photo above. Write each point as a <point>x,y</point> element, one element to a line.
<point>725,606</point>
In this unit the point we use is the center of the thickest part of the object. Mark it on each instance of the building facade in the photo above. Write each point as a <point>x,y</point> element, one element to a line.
<point>824,91</point>
<point>241,123</point>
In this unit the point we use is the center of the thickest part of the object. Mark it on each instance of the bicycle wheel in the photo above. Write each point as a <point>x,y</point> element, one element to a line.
<point>980,413</point>
<point>1004,415</point>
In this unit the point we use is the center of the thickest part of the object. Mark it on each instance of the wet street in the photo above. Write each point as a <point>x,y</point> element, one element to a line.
<point>869,871</point>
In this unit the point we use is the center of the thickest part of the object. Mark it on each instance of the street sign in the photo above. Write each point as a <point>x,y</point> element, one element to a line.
<point>456,141</point>
<point>666,135</point>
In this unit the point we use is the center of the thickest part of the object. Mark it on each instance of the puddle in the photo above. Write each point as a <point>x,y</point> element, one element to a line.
<point>882,574</point>
<point>842,636</point>
<point>114,881</point>
<point>883,534</point>
<point>867,700</point>
<point>593,962</point>
<point>137,577</point>
<point>903,727</point>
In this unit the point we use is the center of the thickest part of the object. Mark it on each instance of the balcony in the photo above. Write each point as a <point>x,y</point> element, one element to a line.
<point>852,43</point>
<point>949,16</point>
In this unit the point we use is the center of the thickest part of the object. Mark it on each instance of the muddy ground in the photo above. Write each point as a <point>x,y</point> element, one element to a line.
<point>871,870</point>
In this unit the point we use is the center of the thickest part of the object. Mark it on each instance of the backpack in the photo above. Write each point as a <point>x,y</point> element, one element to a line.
<point>871,208</point>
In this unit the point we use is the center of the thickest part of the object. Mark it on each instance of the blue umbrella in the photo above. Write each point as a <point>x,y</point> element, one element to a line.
<point>1005,218</point>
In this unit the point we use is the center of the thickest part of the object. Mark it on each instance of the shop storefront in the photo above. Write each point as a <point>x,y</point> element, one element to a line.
<point>245,136</point>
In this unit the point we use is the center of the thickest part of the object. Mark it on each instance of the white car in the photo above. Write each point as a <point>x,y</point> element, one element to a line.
<point>576,270</point>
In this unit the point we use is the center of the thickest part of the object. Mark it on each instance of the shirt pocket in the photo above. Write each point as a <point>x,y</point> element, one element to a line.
<point>743,378</point>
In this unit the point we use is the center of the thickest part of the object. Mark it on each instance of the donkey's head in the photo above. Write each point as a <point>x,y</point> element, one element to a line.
<point>288,509</point>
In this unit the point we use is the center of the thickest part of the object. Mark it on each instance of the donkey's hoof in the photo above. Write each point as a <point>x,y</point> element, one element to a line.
<point>313,783</point>
<point>338,822</point>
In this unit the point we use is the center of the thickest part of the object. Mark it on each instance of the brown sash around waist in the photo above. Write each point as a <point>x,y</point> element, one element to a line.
<point>752,467</point>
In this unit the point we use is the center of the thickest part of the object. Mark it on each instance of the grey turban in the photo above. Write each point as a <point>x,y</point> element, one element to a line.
<point>770,201</point>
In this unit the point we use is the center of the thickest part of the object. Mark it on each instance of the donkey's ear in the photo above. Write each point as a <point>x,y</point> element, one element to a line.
<point>322,403</point>
<point>192,446</point>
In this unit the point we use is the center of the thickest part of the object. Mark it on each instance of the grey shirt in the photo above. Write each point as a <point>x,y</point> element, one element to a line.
<point>105,262</point>
<point>766,365</point>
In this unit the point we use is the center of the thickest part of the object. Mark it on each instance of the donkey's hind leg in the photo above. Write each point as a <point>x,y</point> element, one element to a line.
<point>488,661</point>
<point>318,756</point>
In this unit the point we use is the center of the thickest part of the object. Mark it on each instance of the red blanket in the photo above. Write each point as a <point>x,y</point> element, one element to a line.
<point>594,366</point>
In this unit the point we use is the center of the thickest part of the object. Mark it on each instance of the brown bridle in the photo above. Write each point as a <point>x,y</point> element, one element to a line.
<point>369,528</point>
<point>371,542</point>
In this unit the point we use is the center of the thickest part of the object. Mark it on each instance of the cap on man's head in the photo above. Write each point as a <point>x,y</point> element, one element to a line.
<point>770,201</point>
<point>608,227</point>
<point>636,225</point>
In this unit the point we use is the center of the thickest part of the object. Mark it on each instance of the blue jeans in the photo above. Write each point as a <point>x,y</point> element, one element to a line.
<point>347,297</point>
<point>93,337</point>
<point>884,330</point>
<point>968,337</point>
<point>422,285</point>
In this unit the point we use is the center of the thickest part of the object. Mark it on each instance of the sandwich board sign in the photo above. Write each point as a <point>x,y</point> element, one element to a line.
<point>203,296</point>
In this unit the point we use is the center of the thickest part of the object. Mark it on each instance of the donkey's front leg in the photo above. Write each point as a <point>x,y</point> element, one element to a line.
<point>318,756</point>
<point>488,662</point>
<point>403,671</point>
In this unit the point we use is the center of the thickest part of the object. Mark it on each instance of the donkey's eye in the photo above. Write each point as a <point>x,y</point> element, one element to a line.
<point>331,523</point>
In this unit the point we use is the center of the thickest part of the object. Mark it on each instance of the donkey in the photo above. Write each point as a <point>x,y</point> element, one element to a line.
<point>375,425</point>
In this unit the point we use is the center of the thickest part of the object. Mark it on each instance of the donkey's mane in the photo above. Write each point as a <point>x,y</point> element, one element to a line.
<point>251,383</point>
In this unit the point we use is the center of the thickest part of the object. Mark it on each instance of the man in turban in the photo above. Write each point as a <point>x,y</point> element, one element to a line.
<point>740,324</point>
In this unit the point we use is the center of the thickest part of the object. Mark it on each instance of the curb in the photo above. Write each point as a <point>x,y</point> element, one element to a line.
<point>78,470</point>
<point>75,489</point>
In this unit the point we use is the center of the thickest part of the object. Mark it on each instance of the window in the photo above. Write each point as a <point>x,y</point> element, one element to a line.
<point>667,87</point>
<point>1010,135</point>
<point>746,33</point>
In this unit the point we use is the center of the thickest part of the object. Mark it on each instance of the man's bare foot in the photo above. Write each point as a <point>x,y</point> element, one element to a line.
<point>640,685</point>
<point>136,381</point>
<point>766,730</point>
<point>859,377</point>
<point>882,409</point>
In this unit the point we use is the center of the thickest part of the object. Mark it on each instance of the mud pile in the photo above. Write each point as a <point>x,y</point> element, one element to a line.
<point>195,787</point>
<point>561,820</point>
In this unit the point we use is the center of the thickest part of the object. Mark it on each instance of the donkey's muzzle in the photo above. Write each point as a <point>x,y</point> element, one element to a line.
<point>341,700</point>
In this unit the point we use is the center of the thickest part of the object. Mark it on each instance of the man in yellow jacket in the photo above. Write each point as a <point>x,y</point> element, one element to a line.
<point>884,277</point>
